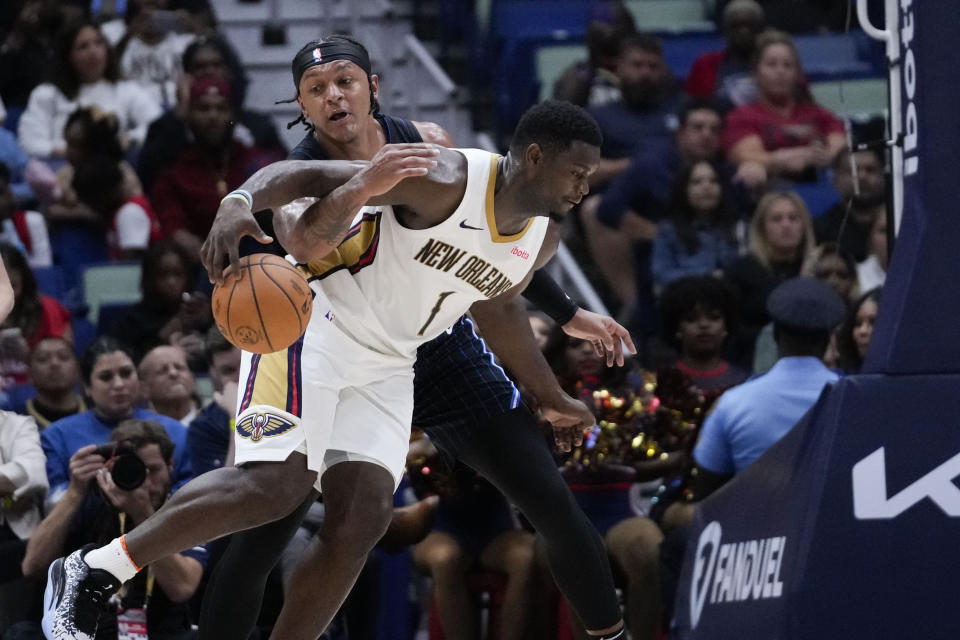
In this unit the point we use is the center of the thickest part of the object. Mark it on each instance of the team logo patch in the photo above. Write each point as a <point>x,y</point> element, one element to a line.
<point>317,56</point>
<point>258,426</point>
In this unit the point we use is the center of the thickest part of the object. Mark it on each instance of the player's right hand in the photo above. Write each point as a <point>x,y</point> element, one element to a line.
<point>234,221</point>
<point>569,418</point>
<point>396,162</point>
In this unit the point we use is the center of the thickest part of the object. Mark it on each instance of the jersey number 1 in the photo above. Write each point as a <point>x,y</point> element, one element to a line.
<point>436,309</point>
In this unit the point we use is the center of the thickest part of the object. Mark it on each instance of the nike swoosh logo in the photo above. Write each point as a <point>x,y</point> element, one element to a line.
<point>464,225</point>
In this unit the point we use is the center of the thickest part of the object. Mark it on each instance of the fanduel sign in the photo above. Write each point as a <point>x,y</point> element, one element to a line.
<point>734,571</point>
<point>911,158</point>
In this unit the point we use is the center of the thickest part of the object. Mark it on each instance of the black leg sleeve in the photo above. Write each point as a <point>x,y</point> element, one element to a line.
<point>234,592</point>
<point>510,451</point>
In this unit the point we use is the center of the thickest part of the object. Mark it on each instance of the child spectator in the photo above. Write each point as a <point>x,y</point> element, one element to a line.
<point>85,74</point>
<point>26,230</point>
<point>698,313</point>
<point>89,132</point>
<point>698,237</point>
<point>55,374</point>
<point>783,134</point>
<point>131,223</point>
<point>168,312</point>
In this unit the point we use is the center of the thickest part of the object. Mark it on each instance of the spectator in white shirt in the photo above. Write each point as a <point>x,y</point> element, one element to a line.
<point>85,75</point>
<point>872,272</point>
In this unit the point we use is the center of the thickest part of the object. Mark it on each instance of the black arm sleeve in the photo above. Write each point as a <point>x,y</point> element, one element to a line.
<point>547,296</point>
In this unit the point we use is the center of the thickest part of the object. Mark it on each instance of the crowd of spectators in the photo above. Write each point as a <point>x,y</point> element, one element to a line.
<point>130,129</point>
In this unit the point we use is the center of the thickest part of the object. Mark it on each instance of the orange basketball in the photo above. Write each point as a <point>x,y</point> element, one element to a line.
<point>267,309</point>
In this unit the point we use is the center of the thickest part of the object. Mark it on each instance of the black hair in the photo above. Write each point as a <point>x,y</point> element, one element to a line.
<point>100,132</point>
<point>842,159</point>
<point>101,346</point>
<point>682,296</point>
<point>684,217</point>
<point>60,339</point>
<point>555,125</point>
<point>4,173</point>
<point>141,433</point>
<point>643,41</point>
<point>97,181</point>
<point>849,358</point>
<point>150,267</point>
<point>374,103</point>
<point>238,76</point>
<point>65,76</point>
<point>698,104</point>
<point>27,308</point>
<point>555,353</point>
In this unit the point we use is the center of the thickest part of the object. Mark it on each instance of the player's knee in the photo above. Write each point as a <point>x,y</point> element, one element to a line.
<point>635,544</point>
<point>444,556</point>
<point>358,529</point>
<point>269,493</point>
<point>518,557</point>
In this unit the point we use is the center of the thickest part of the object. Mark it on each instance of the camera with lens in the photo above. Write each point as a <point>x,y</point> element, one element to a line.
<point>127,469</point>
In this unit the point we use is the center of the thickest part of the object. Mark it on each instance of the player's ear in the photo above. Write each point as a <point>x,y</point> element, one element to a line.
<point>375,85</point>
<point>303,111</point>
<point>533,154</point>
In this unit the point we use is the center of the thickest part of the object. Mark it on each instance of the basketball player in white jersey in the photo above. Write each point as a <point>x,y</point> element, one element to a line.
<point>465,228</point>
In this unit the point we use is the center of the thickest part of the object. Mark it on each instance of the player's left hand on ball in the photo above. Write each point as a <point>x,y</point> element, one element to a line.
<point>569,418</point>
<point>607,336</point>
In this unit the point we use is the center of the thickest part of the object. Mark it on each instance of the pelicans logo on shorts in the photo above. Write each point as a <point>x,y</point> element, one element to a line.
<point>258,426</point>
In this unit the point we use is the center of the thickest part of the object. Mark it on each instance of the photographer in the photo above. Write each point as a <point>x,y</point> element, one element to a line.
<point>111,382</point>
<point>94,509</point>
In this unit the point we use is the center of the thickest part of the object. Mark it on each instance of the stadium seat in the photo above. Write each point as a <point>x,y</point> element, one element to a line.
<point>552,60</point>
<point>669,15</point>
<point>837,56</point>
<point>852,98</point>
<point>818,196</point>
<point>13,397</point>
<point>84,333</point>
<point>74,245</point>
<point>117,282</point>
<point>50,281</point>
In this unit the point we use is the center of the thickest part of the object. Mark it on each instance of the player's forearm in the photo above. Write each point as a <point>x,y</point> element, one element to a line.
<point>178,576</point>
<point>287,180</point>
<point>506,329</point>
<point>311,233</point>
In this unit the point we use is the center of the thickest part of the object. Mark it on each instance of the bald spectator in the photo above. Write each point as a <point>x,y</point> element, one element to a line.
<point>727,75</point>
<point>168,383</point>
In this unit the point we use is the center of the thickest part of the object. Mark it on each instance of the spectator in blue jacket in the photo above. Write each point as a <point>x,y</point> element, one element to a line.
<point>111,381</point>
<point>698,238</point>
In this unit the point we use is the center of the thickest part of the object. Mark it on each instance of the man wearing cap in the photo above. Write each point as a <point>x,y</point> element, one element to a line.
<point>750,418</point>
<point>186,195</point>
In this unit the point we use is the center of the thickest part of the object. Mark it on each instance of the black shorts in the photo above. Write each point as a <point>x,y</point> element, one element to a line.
<point>458,386</point>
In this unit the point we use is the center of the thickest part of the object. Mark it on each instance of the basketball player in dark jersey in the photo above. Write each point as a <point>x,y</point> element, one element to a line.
<point>462,399</point>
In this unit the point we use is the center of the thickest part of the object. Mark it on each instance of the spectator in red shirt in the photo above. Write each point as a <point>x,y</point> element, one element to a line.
<point>186,195</point>
<point>783,134</point>
<point>727,75</point>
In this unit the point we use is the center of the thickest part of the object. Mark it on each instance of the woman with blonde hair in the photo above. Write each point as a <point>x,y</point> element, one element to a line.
<point>780,239</point>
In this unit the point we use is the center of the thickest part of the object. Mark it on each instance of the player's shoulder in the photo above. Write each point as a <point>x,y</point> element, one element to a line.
<point>433,132</point>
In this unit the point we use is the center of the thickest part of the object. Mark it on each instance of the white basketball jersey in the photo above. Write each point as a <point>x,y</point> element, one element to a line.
<point>392,288</point>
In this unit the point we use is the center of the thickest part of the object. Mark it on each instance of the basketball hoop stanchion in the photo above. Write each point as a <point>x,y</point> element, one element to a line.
<point>890,37</point>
